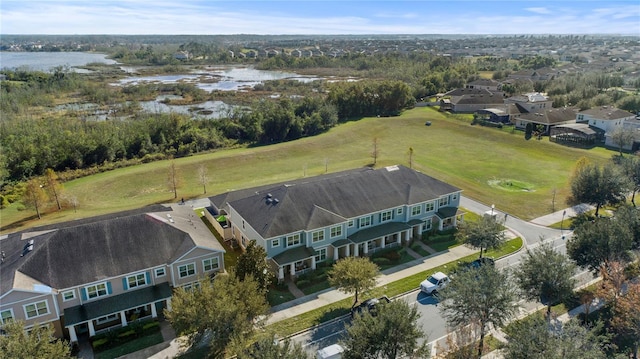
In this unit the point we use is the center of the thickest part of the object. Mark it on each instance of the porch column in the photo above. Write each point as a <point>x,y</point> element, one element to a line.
<point>123,318</point>
<point>154,312</point>
<point>335,253</point>
<point>365,248</point>
<point>292,269</point>
<point>73,338</point>
<point>356,250</point>
<point>383,242</point>
<point>408,235</point>
<point>92,330</point>
<point>440,221</point>
<point>455,221</point>
<point>347,250</point>
<point>280,272</point>
<point>169,304</point>
<point>313,263</point>
<point>399,238</point>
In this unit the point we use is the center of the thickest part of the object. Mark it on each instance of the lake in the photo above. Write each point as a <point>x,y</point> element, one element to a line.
<point>46,61</point>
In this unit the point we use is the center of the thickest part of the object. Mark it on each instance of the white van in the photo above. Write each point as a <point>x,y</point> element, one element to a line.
<point>331,352</point>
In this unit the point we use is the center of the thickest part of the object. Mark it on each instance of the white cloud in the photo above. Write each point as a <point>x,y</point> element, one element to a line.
<point>538,10</point>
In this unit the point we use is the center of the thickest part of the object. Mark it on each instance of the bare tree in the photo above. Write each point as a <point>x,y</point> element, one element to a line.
<point>173,179</point>
<point>375,152</point>
<point>35,196</point>
<point>53,186</point>
<point>410,157</point>
<point>203,177</point>
<point>621,138</point>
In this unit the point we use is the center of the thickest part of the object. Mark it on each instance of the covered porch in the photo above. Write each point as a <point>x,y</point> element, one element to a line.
<point>448,218</point>
<point>295,261</point>
<point>116,311</point>
<point>379,237</point>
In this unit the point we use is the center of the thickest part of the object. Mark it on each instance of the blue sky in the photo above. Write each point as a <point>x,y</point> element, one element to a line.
<point>319,17</point>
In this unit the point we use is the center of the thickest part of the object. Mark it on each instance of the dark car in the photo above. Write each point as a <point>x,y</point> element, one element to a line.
<point>369,305</point>
<point>484,261</point>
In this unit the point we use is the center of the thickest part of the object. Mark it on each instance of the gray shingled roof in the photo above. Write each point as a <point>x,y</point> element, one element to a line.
<point>606,113</point>
<point>550,116</point>
<point>326,200</point>
<point>72,256</point>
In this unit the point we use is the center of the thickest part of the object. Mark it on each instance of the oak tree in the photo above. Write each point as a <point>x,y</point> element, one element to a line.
<point>38,342</point>
<point>486,233</point>
<point>353,275</point>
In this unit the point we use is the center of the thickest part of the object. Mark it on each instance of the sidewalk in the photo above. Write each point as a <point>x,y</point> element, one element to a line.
<point>558,216</point>
<point>313,301</point>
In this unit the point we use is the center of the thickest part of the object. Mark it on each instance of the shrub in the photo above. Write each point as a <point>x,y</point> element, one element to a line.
<point>381,261</point>
<point>151,326</point>
<point>97,344</point>
<point>392,256</point>
<point>301,283</point>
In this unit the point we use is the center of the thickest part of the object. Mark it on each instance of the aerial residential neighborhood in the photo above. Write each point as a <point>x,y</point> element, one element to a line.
<point>299,180</point>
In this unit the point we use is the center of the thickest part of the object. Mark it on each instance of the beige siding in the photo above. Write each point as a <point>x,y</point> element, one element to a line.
<point>195,257</point>
<point>17,300</point>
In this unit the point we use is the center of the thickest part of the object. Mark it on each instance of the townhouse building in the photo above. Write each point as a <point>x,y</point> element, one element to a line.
<point>303,222</point>
<point>87,278</point>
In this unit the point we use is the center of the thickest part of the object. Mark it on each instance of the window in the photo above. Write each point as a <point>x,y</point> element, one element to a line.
<point>426,225</point>
<point>429,207</point>
<point>400,211</point>
<point>444,201</point>
<point>96,290</point>
<point>336,231</point>
<point>293,240</point>
<point>187,270</point>
<point>191,286</point>
<point>136,280</point>
<point>36,309</point>
<point>68,295</point>
<point>365,222</point>
<point>6,316</point>
<point>386,216</point>
<point>210,264</point>
<point>160,272</point>
<point>454,196</point>
<point>275,243</point>
<point>317,236</point>
<point>416,210</point>
<point>107,318</point>
<point>350,223</point>
<point>321,255</point>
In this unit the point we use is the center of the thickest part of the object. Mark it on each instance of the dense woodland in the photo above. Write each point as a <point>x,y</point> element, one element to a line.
<point>35,138</point>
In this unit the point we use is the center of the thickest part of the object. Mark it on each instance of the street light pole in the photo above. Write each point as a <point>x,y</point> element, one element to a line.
<point>561,224</point>
<point>492,207</point>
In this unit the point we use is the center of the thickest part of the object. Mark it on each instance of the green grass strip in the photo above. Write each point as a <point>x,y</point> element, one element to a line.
<point>320,315</point>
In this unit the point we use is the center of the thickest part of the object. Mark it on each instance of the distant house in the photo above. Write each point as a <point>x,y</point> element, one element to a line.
<point>497,115</point>
<point>542,74</point>
<point>576,134</point>
<point>531,102</point>
<point>547,118</point>
<point>304,222</point>
<point>91,277</point>
<point>609,119</point>
<point>485,84</point>
<point>469,100</point>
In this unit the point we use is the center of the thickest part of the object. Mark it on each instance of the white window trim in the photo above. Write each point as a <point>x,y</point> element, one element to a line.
<point>320,235</point>
<point>106,289</point>
<point>164,272</point>
<point>10,310</point>
<point>275,243</point>
<point>72,291</point>
<point>338,229</point>
<point>382,215</point>
<point>317,256</point>
<point>368,218</point>
<point>419,210</point>
<point>400,210</point>
<point>135,277</point>
<point>191,285</point>
<point>429,207</point>
<point>35,304</point>
<point>186,265</point>
<point>211,259</point>
<point>351,223</point>
<point>294,236</point>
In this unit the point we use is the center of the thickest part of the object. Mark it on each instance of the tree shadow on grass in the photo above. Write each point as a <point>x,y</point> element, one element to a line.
<point>331,314</point>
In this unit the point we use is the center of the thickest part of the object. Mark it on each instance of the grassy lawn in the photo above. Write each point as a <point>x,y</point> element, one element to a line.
<point>130,347</point>
<point>337,309</point>
<point>418,248</point>
<point>469,157</point>
<point>279,295</point>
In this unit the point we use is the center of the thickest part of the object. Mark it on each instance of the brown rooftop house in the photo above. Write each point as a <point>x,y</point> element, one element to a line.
<point>303,222</point>
<point>547,118</point>
<point>88,277</point>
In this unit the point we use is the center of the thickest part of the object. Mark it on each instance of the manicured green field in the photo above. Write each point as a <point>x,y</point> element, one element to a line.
<point>451,150</point>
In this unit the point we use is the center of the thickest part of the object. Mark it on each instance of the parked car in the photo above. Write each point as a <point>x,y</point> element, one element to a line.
<point>331,352</point>
<point>370,305</point>
<point>484,261</point>
<point>434,283</point>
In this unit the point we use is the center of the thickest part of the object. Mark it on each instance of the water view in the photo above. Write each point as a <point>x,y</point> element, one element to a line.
<point>221,78</point>
<point>46,61</point>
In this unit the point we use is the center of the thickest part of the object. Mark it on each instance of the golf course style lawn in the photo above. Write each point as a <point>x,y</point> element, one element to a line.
<point>451,150</point>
